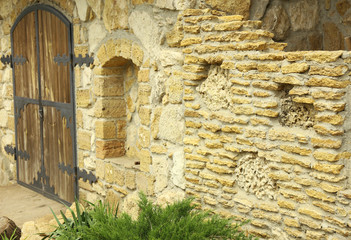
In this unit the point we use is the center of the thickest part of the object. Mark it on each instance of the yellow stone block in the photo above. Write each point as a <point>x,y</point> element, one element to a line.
<point>268,67</point>
<point>105,129</point>
<point>329,95</point>
<point>326,82</point>
<point>247,66</point>
<point>263,104</point>
<point>336,107</point>
<point>323,56</point>
<point>239,91</point>
<point>320,195</point>
<point>332,119</point>
<point>286,204</point>
<point>266,85</point>
<point>84,140</point>
<point>326,143</point>
<point>328,71</point>
<point>83,98</point>
<point>330,188</point>
<point>219,169</point>
<point>326,207</point>
<point>190,41</point>
<point>267,113</point>
<point>297,150</point>
<point>288,80</point>
<point>110,108</point>
<point>295,68</point>
<point>328,168</point>
<point>284,135</point>
<point>145,115</point>
<point>246,110</point>
<point>228,26</point>
<point>144,92</point>
<point>261,94</point>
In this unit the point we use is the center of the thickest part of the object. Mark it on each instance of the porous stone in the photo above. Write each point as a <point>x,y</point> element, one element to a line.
<point>304,15</point>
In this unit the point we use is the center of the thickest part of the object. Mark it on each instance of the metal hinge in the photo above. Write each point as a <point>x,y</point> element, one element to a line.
<point>80,60</point>
<point>17,153</point>
<point>83,174</point>
<point>8,59</point>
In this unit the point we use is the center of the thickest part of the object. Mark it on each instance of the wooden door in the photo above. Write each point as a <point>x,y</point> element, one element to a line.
<point>44,106</point>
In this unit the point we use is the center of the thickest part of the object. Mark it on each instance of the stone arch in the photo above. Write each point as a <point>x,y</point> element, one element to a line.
<point>117,92</point>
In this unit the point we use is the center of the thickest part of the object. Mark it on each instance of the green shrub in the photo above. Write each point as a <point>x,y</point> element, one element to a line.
<point>177,221</point>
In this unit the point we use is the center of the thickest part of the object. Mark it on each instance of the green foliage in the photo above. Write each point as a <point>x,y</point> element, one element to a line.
<point>180,220</point>
<point>13,237</point>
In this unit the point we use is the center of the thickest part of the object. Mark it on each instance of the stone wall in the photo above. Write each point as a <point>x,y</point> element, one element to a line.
<point>304,25</point>
<point>199,103</point>
<point>266,133</point>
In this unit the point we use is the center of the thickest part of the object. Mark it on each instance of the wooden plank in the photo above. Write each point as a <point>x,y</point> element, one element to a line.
<point>58,148</point>
<point>24,43</point>
<point>28,139</point>
<point>53,40</point>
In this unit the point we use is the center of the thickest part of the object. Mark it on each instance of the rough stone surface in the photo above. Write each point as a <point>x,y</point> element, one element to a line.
<point>277,21</point>
<point>171,124</point>
<point>235,7</point>
<point>333,39</point>
<point>258,9</point>
<point>304,15</point>
<point>115,14</point>
<point>177,173</point>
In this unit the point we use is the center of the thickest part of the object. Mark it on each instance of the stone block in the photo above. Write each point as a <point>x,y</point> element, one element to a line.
<point>109,149</point>
<point>121,129</point>
<point>332,119</point>
<point>83,98</point>
<point>323,56</point>
<point>137,54</point>
<point>276,20</point>
<point>144,137</point>
<point>326,143</point>
<point>105,129</point>
<point>115,15</point>
<point>84,140</point>
<point>144,92</point>
<point>144,115</point>
<point>110,108</point>
<point>130,179</point>
<point>328,168</point>
<point>155,122</point>
<point>295,68</point>
<point>108,86</point>
<point>328,71</point>
<point>268,67</point>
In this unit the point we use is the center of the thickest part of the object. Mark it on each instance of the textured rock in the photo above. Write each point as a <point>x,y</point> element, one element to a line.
<point>177,173</point>
<point>96,6</point>
<point>235,7</point>
<point>333,39</point>
<point>304,15</point>
<point>160,171</point>
<point>96,33</point>
<point>342,6</point>
<point>277,21</point>
<point>258,9</point>
<point>171,124</point>
<point>115,14</point>
<point>83,9</point>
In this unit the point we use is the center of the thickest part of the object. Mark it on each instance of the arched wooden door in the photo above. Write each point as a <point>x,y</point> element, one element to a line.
<point>44,103</point>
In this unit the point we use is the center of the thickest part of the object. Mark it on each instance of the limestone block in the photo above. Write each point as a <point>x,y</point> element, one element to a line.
<point>110,108</point>
<point>155,122</point>
<point>171,125</point>
<point>326,143</point>
<point>174,90</point>
<point>109,149</point>
<point>84,140</point>
<point>130,179</point>
<point>4,118</point>
<point>277,21</point>
<point>183,4</point>
<point>145,183</point>
<point>328,168</point>
<point>108,86</point>
<point>96,6</point>
<point>130,205</point>
<point>96,32</point>
<point>105,129</point>
<point>145,115</point>
<point>327,82</point>
<point>171,58</point>
<point>177,172</point>
<point>238,7</point>
<point>323,56</point>
<point>83,9</point>
<point>144,92</point>
<point>328,71</point>
<point>295,68</point>
<point>175,36</point>
<point>144,137</point>
<point>160,171</point>
<point>115,14</point>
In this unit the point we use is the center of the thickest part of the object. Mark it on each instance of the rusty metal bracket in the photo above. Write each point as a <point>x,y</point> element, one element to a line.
<point>80,60</point>
<point>6,59</point>
<point>17,153</point>
<point>19,60</point>
<point>83,174</point>
<point>62,59</point>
